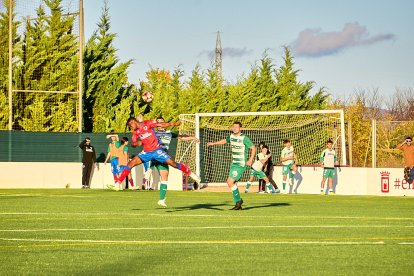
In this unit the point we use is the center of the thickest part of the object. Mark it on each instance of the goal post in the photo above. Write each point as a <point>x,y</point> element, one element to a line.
<point>308,131</point>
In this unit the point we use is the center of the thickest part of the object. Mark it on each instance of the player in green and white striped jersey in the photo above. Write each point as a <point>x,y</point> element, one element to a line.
<point>288,159</point>
<point>240,145</point>
<point>328,161</point>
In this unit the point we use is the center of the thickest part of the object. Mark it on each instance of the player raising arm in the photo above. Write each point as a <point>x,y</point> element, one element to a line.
<point>408,149</point>
<point>113,157</point>
<point>240,145</point>
<point>164,137</point>
<point>143,134</point>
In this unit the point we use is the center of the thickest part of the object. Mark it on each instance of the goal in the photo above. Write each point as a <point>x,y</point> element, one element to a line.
<point>308,131</point>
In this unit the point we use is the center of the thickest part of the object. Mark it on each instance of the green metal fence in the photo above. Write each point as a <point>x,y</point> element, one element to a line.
<point>21,146</point>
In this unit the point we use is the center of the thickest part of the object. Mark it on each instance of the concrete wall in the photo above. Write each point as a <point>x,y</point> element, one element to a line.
<point>351,181</point>
<point>348,181</point>
<point>16,175</point>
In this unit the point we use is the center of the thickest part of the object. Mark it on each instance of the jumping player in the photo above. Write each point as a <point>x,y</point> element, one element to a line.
<point>143,134</point>
<point>164,137</point>
<point>240,145</point>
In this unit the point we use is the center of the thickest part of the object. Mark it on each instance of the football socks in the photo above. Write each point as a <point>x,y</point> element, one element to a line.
<point>235,193</point>
<point>248,185</point>
<point>124,174</point>
<point>163,190</point>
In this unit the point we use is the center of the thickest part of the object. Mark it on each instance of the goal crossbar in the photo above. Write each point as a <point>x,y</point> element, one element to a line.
<point>238,114</point>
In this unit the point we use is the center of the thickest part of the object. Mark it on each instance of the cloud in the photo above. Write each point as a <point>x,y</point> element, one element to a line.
<point>315,43</point>
<point>228,52</point>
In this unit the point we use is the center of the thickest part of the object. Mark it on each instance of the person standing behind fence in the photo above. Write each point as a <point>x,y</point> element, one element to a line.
<point>88,159</point>
<point>408,150</point>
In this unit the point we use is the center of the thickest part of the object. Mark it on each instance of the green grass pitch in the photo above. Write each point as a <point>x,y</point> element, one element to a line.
<point>96,232</point>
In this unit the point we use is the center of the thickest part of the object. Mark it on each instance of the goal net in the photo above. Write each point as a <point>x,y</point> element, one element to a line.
<point>308,131</point>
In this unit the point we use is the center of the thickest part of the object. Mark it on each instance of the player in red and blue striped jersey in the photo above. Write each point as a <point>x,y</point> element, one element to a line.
<point>143,134</point>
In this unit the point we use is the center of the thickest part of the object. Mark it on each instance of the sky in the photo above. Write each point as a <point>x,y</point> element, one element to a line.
<point>344,46</point>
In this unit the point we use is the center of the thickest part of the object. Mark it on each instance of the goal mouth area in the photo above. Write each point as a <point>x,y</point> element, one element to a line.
<point>307,130</point>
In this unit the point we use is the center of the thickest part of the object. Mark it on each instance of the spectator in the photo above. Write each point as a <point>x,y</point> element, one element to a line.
<point>408,150</point>
<point>88,160</point>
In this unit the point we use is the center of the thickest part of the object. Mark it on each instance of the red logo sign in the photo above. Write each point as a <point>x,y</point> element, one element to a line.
<point>385,182</point>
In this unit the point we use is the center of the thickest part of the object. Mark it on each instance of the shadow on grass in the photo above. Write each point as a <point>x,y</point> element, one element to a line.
<point>209,206</point>
<point>266,205</point>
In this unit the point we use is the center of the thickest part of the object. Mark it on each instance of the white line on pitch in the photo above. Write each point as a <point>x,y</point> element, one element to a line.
<point>407,243</point>
<point>203,227</point>
<point>39,195</point>
<point>199,242</point>
<point>205,215</point>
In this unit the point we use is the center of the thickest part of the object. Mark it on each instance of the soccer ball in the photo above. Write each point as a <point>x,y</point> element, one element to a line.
<point>147,96</point>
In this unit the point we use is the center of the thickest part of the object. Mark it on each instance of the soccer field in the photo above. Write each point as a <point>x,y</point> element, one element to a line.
<point>104,232</point>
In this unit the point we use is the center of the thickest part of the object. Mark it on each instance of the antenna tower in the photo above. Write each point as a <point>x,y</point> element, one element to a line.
<point>219,57</point>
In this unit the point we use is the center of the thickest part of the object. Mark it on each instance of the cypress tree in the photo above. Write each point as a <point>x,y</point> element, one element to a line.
<point>4,59</point>
<point>192,95</point>
<point>294,95</point>
<point>160,83</point>
<point>214,98</point>
<point>105,79</point>
<point>49,64</point>
<point>265,96</point>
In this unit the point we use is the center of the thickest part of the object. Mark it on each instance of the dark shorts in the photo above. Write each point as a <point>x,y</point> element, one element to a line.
<point>409,174</point>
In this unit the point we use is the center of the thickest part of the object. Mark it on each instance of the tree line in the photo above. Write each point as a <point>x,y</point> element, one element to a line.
<point>45,59</point>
